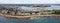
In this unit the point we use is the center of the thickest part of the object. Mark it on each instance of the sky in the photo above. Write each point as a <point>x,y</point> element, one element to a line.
<point>29,1</point>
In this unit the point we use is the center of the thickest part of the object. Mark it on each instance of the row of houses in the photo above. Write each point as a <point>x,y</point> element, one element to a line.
<point>17,11</point>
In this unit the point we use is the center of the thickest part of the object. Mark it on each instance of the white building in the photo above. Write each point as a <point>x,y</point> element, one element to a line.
<point>4,11</point>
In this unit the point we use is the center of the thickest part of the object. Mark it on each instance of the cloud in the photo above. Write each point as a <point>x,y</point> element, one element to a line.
<point>29,1</point>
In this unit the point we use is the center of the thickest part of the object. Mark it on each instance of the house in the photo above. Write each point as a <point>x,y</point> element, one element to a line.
<point>18,12</point>
<point>21,13</point>
<point>4,11</point>
<point>12,12</point>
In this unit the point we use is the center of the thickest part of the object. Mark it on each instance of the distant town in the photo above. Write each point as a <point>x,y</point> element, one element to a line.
<point>27,10</point>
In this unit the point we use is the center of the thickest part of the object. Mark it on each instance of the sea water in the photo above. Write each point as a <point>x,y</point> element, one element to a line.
<point>37,20</point>
<point>47,20</point>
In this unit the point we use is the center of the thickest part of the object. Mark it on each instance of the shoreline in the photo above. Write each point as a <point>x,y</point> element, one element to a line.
<point>27,17</point>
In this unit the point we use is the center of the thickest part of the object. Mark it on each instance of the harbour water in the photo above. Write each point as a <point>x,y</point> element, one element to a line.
<point>37,20</point>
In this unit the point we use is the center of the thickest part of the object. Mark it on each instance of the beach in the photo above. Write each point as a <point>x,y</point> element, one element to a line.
<point>27,16</point>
